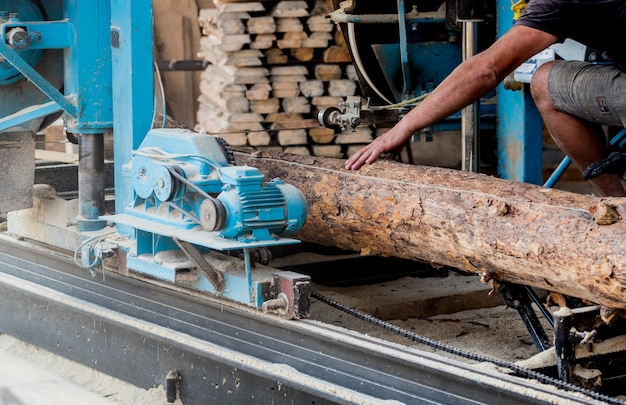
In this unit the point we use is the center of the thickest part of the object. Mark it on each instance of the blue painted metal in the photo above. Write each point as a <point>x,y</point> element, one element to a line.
<point>558,172</point>
<point>245,286</point>
<point>40,111</point>
<point>519,124</point>
<point>84,33</point>
<point>162,179</point>
<point>248,271</point>
<point>170,188</point>
<point>43,34</point>
<point>133,86</point>
<point>428,64</point>
<point>21,65</point>
<point>88,75</point>
<point>13,11</point>
<point>153,236</point>
<point>257,211</point>
<point>174,173</point>
<point>404,52</point>
<point>155,254</point>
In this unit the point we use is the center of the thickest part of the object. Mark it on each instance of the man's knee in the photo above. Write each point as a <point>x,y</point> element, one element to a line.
<point>539,84</point>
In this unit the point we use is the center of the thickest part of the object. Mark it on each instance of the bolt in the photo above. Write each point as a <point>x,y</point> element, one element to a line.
<point>172,380</point>
<point>18,38</point>
<point>279,304</point>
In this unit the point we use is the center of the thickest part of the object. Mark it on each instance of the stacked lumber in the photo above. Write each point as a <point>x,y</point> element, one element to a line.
<point>274,65</point>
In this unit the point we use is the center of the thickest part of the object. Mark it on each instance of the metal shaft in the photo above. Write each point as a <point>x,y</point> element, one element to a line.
<point>469,115</point>
<point>90,181</point>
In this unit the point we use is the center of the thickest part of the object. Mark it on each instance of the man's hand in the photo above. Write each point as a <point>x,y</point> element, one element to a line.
<point>391,141</point>
<point>467,83</point>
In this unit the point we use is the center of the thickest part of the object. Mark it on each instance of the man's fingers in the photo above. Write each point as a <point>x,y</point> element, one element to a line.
<point>372,155</point>
<point>357,159</point>
<point>367,154</point>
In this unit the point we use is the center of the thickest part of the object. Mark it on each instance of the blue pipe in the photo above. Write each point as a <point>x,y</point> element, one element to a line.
<point>558,172</point>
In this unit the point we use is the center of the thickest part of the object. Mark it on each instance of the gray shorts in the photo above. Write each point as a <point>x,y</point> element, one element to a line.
<point>595,93</point>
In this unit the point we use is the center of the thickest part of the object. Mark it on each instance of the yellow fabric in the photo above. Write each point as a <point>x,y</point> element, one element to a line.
<point>518,8</point>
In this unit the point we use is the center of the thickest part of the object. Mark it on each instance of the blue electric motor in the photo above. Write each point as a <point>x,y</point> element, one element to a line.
<point>185,179</point>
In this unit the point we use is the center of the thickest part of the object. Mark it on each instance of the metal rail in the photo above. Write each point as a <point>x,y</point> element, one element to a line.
<point>226,353</point>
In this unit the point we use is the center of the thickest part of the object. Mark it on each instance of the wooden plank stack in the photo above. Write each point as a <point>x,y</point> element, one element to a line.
<point>274,65</point>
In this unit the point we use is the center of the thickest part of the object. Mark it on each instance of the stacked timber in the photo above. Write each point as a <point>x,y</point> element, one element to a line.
<point>273,66</point>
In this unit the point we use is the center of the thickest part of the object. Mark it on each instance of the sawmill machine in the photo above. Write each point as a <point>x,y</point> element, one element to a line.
<point>184,212</point>
<point>398,64</point>
<point>401,51</point>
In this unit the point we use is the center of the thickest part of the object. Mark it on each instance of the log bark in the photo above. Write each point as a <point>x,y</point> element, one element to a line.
<point>499,229</point>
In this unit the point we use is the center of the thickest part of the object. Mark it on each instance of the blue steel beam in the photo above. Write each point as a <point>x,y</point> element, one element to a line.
<point>28,114</point>
<point>404,51</point>
<point>88,65</point>
<point>519,124</point>
<point>42,84</point>
<point>44,34</point>
<point>133,87</point>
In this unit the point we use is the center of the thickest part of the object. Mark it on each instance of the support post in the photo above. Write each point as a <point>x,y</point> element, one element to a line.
<point>88,80</point>
<point>90,182</point>
<point>470,117</point>
<point>519,124</point>
<point>131,44</point>
<point>562,345</point>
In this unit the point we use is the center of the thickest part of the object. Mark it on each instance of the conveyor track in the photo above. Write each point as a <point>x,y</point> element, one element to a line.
<point>224,352</point>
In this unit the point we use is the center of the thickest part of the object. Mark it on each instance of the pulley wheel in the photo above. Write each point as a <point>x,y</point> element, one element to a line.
<point>212,214</point>
<point>27,10</point>
<point>326,117</point>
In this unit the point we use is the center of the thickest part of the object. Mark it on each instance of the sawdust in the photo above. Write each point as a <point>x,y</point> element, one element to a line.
<point>112,389</point>
<point>491,332</point>
<point>494,332</point>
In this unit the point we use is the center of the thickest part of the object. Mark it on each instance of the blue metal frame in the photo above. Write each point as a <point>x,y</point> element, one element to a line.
<point>81,28</point>
<point>133,86</point>
<point>84,35</point>
<point>519,124</point>
<point>404,52</point>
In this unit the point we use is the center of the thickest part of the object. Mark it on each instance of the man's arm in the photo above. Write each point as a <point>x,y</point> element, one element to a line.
<point>467,83</point>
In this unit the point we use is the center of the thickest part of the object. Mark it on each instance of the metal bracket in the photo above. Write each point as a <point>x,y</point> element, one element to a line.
<point>28,71</point>
<point>215,277</point>
<point>515,296</point>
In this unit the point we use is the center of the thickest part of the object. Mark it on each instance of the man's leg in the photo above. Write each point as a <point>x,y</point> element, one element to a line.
<point>583,141</point>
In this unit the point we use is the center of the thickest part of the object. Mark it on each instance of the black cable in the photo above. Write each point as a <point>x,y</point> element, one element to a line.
<point>520,371</point>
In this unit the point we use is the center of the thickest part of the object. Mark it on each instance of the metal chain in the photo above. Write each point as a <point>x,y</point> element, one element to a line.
<point>520,371</point>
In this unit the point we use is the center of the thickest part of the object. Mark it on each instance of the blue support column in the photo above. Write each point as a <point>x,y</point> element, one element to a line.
<point>88,66</point>
<point>519,124</point>
<point>133,86</point>
<point>88,80</point>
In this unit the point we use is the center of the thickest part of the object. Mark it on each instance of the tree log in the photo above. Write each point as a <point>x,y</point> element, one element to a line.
<point>502,230</point>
